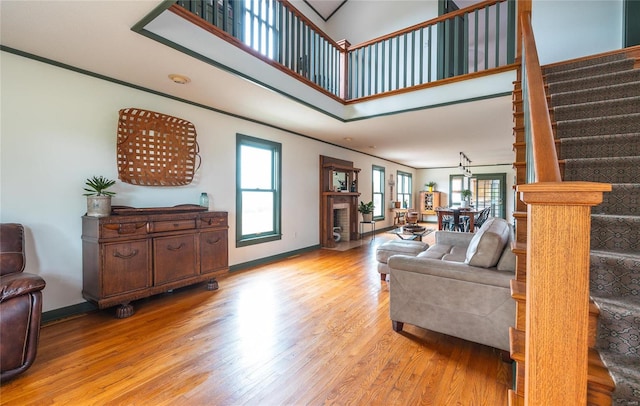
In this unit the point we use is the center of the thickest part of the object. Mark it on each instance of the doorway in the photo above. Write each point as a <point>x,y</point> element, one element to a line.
<point>487,190</point>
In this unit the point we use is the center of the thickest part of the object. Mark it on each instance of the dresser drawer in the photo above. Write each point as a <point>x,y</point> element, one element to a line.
<point>174,258</point>
<point>214,249</point>
<point>126,267</point>
<point>172,225</point>
<point>214,220</point>
<point>112,230</point>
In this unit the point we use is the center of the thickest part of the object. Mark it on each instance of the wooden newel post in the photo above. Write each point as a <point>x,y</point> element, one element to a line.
<point>557,307</point>
<point>344,68</point>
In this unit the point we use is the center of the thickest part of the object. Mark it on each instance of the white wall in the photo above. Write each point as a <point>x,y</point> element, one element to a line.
<point>441,177</point>
<point>571,29</point>
<point>377,18</point>
<point>59,128</point>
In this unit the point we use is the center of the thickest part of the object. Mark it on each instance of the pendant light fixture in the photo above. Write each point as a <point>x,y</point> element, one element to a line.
<point>465,165</point>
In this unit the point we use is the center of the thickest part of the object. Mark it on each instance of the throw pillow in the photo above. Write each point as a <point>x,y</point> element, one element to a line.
<point>486,247</point>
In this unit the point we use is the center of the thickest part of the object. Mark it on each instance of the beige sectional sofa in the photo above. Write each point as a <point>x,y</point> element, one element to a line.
<point>460,286</point>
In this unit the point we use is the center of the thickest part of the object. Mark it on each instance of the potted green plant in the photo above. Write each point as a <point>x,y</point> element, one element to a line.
<point>367,211</point>
<point>98,197</point>
<point>431,185</point>
<point>466,197</point>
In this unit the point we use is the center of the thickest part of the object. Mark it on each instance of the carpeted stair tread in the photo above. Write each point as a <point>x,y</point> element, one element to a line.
<point>589,70</point>
<point>622,124</point>
<point>621,355</point>
<point>626,361</point>
<point>609,79</point>
<point>624,370</point>
<point>600,93</point>
<point>615,233</point>
<point>584,62</point>
<point>627,313</point>
<point>614,107</point>
<point>624,199</point>
<point>607,170</point>
<point>600,146</point>
<point>615,275</point>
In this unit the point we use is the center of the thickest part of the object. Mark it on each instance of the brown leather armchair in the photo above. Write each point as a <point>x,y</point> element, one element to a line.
<point>20,305</point>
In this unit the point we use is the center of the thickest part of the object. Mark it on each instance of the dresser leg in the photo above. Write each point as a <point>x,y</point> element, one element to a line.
<point>212,284</point>
<point>124,310</point>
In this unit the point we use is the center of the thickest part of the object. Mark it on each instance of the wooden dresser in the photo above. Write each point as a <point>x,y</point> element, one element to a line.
<point>136,253</point>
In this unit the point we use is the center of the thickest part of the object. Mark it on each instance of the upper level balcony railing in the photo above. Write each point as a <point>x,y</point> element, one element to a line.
<point>477,38</point>
<point>470,40</point>
<point>279,32</point>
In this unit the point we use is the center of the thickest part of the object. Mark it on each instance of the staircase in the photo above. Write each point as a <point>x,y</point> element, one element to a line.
<point>596,108</point>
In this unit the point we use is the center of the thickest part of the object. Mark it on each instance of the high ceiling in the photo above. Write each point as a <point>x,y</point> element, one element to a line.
<point>325,8</point>
<point>96,36</point>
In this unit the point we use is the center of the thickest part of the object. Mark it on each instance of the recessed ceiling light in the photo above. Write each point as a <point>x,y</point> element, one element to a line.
<point>347,139</point>
<point>179,79</point>
<point>372,146</point>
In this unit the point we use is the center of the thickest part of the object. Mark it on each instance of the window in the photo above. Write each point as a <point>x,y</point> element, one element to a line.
<point>457,185</point>
<point>378,192</point>
<point>404,190</point>
<point>257,191</point>
<point>260,32</point>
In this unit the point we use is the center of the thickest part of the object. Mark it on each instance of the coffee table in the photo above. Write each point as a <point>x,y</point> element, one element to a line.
<point>411,232</point>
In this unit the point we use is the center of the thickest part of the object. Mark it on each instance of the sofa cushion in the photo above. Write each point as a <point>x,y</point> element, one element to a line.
<point>457,254</point>
<point>487,245</point>
<point>436,251</point>
<point>398,247</point>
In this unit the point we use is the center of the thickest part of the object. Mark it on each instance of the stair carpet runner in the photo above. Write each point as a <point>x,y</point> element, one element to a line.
<point>596,107</point>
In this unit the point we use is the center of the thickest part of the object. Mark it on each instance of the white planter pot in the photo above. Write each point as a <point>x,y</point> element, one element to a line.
<point>367,217</point>
<point>98,206</point>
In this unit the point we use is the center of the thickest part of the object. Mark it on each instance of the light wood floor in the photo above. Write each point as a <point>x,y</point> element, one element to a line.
<point>309,330</point>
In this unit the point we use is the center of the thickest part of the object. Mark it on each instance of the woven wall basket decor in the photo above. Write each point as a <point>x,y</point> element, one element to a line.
<point>155,149</point>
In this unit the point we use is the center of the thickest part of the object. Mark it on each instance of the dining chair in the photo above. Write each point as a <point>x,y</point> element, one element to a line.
<point>478,219</point>
<point>454,222</point>
<point>482,217</point>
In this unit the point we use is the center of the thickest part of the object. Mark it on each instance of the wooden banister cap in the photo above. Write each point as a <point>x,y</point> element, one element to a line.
<point>563,193</point>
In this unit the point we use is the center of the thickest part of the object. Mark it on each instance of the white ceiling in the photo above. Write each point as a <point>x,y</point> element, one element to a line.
<point>96,36</point>
<point>325,8</point>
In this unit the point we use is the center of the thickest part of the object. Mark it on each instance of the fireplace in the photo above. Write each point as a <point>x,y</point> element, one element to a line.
<point>338,201</point>
<point>341,222</point>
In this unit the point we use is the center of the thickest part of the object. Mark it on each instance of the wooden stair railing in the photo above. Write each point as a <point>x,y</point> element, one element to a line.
<point>551,340</point>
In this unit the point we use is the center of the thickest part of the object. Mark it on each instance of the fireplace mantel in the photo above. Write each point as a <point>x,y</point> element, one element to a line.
<point>340,194</point>
<point>329,197</point>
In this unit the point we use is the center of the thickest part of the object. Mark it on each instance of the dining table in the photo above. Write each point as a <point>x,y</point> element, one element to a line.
<point>461,211</point>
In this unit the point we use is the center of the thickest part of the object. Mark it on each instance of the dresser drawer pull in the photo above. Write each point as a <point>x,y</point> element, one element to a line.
<point>212,221</point>
<point>217,240</point>
<point>170,248</point>
<point>125,256</point>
